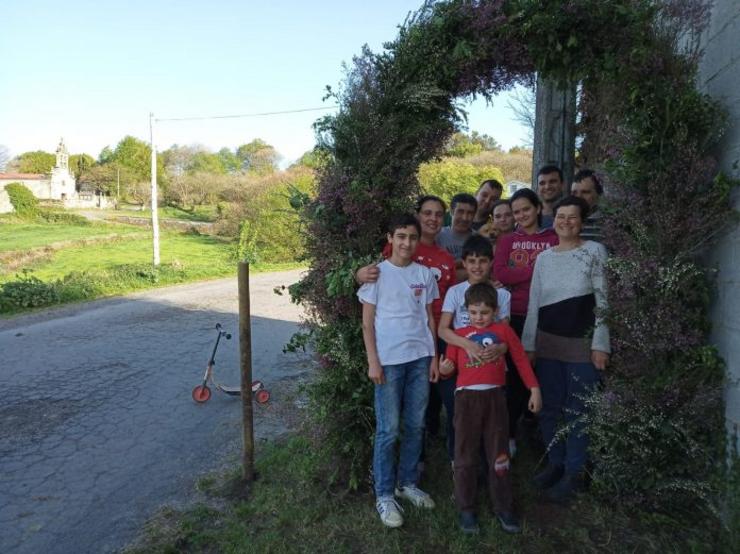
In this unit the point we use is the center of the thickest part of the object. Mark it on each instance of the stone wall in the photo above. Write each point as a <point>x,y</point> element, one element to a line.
<point>720,77</point>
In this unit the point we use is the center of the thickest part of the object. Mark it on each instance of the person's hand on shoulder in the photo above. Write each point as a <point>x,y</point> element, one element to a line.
<point>367,274</point>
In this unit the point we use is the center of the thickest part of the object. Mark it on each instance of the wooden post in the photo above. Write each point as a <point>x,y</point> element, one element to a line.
<point>245,362</point>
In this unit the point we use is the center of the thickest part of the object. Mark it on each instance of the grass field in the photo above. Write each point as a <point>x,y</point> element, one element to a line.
<point>24,236</point>
<point>202,256</point>
<point>118,261</point>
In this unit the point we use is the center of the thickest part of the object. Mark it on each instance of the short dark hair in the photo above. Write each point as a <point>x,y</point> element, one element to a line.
<point>482,293</point>
<point>399,221</point>
<point>585,174</point>
<point>493,183</point>
<point>476,245</point>
<point>463,198</point>
<point>427,198</point>
<point>572,201</point>
<point>500,203</point>
<point>550,168</point>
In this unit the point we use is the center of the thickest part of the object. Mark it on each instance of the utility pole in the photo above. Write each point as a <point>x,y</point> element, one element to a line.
<point>155,216</point>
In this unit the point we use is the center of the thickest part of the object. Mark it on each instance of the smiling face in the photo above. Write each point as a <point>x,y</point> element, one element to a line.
<point>462,217</point>
<point>431,215</point>
<point>503,219</point>
<point>481,315</point>
<point>549,186</point>
<point>478,268</point>
<point>525,214</point>
<point>403,241</point>
<point>568,223</point>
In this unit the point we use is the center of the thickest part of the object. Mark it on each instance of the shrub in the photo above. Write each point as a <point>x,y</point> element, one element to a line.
<point>67,218</point>
<point>24,202</point>
<point>27,291</point>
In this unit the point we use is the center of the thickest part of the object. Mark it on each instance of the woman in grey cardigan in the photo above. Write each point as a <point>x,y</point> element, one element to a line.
<point>566,334</point>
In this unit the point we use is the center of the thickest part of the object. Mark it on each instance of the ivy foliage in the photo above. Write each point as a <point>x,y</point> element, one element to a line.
<point>657,426</point>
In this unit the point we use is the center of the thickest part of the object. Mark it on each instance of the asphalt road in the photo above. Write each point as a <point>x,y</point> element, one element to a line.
<point>97,425</point>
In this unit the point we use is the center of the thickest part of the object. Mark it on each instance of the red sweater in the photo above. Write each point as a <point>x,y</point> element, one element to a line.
<point>492,373</point>
<point>442,265</point>
<point>513,263</point>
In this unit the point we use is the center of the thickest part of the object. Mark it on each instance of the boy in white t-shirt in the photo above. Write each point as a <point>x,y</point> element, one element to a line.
<point>477,257</point>
<point>398,330</point>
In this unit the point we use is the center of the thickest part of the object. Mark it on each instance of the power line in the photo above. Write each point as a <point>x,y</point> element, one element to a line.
<point>235,116</point>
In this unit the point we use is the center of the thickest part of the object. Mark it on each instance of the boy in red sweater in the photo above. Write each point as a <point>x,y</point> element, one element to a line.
<point>480,409</point>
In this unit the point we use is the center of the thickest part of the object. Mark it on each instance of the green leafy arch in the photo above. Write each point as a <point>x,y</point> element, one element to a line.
<point>645,123</point>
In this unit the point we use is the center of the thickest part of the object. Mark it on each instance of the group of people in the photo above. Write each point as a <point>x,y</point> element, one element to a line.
<point>498,315</point>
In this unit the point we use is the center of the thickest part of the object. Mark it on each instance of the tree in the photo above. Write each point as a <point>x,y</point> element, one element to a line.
<point>37,161</point>
<point>4,156</point>
<point>79,163</point>
<point>229,160</point>
<point>460,146</point>
<point>105,178</point>
<point>313,159</point>
<point>105,155</point>
<point>135,155</point>
<point>486,141</point>
<point>257,157</point>
<point>206,162</point>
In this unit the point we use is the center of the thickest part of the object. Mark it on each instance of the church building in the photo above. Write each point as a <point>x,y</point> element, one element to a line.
<point>57,185</point>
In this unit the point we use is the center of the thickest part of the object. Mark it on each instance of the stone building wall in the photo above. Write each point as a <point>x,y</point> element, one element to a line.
<point>720,77</point>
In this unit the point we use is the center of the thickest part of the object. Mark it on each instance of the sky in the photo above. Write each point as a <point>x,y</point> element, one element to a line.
<point>92,71</point>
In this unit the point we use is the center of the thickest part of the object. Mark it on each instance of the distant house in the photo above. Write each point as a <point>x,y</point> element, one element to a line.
<point>512,186</point>
<point>59,184</point>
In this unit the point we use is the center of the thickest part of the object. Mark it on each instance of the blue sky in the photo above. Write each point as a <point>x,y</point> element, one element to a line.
<point>91,71</point>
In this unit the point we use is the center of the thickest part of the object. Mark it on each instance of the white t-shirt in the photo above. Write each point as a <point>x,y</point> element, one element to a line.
<point>455,304</point>
<point>401,296</point>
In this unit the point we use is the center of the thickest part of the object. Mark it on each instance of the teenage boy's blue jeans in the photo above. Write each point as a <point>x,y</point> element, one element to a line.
<point>564,386</point>
<point>402,398</point>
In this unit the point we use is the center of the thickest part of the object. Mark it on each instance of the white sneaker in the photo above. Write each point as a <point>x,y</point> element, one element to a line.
<point>416,496</point>
<point>390,511</point>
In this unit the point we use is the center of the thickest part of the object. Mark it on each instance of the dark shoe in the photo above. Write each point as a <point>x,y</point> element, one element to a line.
<point>509,522</point>
<point>469,523</point>
<point>565,489</point>
<point>548,476</point>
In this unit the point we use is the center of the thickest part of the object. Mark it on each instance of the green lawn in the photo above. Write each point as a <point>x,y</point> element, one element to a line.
<point>74,272</point>
<point>25,236</point>
<point>201,256</point>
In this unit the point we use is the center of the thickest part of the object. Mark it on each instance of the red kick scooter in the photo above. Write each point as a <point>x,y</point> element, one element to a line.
<point>202,393</point>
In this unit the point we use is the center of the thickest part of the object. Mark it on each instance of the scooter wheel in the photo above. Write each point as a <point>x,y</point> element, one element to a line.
<point>262,396</point>
<point>201,394</point>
